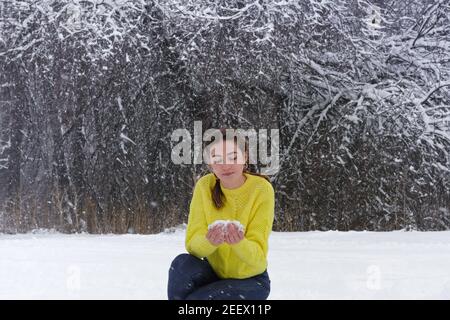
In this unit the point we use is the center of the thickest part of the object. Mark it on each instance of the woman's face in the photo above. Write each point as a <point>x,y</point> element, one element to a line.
<point>227,161</point>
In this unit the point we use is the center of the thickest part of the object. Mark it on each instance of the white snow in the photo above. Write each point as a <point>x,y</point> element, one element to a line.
<point>302,265</point>
<point>224,224</point>
<point>123,136</point>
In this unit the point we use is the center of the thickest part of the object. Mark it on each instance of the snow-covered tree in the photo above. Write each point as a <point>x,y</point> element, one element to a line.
<point>90,92</point>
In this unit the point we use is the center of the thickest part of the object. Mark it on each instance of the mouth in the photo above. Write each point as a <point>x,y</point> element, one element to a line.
<point>227,174</point>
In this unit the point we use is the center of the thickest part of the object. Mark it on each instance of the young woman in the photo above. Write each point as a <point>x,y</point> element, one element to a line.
<point>230,219</point>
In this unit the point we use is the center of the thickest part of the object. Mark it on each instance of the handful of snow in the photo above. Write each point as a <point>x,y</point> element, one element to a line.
<point>224,224</point>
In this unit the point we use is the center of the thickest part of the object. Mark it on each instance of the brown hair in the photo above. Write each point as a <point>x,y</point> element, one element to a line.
<point>217,195</point>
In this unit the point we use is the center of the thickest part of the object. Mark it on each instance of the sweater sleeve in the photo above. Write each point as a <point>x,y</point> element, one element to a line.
<point>197,227</point>
<point>253,248</point>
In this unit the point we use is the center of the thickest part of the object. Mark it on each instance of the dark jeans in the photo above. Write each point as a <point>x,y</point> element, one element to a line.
<point>191,278</point>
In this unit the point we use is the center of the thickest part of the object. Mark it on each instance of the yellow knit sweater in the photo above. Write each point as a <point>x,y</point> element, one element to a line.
<point>252,204</point>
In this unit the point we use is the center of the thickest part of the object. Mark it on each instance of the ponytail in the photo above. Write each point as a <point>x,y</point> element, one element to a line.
<point>217,194</point>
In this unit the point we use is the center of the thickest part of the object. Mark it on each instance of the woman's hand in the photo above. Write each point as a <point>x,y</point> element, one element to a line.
<point>215,235</point>
<point>233,235</point>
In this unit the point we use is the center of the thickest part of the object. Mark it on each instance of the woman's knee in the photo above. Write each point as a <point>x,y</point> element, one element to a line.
<point>186,273</point>
<point>178,285</point>
<point>187,263</point>
<point>179,261</point>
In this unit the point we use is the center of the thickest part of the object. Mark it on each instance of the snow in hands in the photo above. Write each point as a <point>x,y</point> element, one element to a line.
<point>224,224</point>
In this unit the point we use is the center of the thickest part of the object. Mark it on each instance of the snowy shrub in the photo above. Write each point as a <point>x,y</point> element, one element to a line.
<point>90,92</point>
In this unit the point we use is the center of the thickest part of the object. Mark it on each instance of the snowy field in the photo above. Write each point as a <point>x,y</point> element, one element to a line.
<point>311,265</point>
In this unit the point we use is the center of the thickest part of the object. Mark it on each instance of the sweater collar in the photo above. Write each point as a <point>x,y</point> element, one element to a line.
<point>239,189</point>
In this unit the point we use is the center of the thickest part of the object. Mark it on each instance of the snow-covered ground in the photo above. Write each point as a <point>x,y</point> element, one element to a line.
<point>311,265</point>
